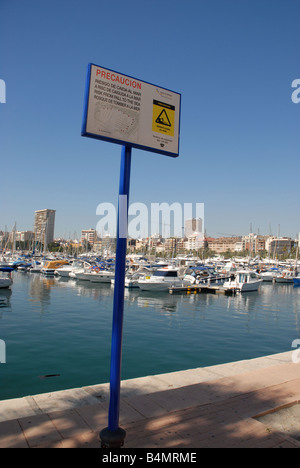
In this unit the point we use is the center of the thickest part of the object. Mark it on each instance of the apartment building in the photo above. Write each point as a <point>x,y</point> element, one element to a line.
<point>24,236</point>
<point>223,244</point>
<point>279,245</point>
<point>44,222</point>
<point>88,235</point>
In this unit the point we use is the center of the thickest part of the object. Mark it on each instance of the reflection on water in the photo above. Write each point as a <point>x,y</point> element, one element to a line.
<point>164,302</point>
<point>63,326</point>
<point>41,286</point>
<point>39,289</point>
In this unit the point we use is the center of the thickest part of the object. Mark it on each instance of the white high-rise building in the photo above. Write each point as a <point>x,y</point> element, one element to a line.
<point>191,226</point>
<point>89,235</point>
<point>44,226</point>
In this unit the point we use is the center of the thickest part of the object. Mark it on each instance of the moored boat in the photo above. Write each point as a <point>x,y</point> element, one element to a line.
<point>5,277</point>
<point>52,265</point>
<point>93,273</point>
<point>65,270</point>
<point>285,276</point>
<point>132,279</point>
<point>162,279</point>
<point>36,267</point>
<point>244,281</point>
<point>101,276</point>
<point>269,275</point>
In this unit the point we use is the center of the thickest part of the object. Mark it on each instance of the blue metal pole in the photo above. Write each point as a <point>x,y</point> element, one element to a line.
<point>113,434</point>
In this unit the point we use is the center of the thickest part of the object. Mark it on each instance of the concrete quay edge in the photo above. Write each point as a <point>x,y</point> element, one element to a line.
<point>62,400</point>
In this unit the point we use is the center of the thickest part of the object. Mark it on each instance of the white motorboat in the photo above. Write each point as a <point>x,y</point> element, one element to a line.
<point>23,268</point>
<point>228,269</point>
<point>80,272</point>
<point>243,281</point>
<point>162,279</point>
<point>270,274</point>
<point>93,274</point>
<point>132,278</point>
<point>132,281</point>
<point>102,276</point>
<point>285,276</point>
<point>5,282</point>
<point>65,270</point>
<point>5,277</point>
<point>205,275</point>
<point>36,267</point>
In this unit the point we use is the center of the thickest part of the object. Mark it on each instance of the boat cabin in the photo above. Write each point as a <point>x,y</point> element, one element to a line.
<point>166,273</point>
<point>246,277</point>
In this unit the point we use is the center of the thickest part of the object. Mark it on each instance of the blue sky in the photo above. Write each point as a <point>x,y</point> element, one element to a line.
<point>233,61</point>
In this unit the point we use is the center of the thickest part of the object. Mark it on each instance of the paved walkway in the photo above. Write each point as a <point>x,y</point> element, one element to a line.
<point>229,405</point>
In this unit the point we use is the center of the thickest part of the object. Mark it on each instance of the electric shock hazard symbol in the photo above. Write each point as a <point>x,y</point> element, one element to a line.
<point>163,118</point>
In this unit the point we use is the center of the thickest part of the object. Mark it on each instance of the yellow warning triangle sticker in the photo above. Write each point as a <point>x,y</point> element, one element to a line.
<point>163,119</point>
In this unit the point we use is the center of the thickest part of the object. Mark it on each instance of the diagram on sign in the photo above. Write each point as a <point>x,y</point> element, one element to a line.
<point>163,118</point>
<point>120,122</point>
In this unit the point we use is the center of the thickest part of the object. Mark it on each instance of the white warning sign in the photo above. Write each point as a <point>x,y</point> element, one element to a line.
<point>124,110</point>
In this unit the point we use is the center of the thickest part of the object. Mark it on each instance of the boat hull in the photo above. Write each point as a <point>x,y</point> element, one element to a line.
<point>80,276</point>
<point>145,285</point>
<point>48,272</point>
<point>284,280</point>
<point>131,284</point>
<point>245,287</point>
<point>101,278</point>
<point>5,283</point>
<point>64,273</point>
<point>267,278</point>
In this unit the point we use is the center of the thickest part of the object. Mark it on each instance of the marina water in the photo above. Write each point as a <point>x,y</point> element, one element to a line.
<point>57,331</point>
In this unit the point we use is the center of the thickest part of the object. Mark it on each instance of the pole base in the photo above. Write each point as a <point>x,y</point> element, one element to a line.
<point>112,439</point>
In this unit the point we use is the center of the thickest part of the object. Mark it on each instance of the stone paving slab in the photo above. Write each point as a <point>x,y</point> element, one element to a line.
<point>63,399</point>
<point>16,408</point>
